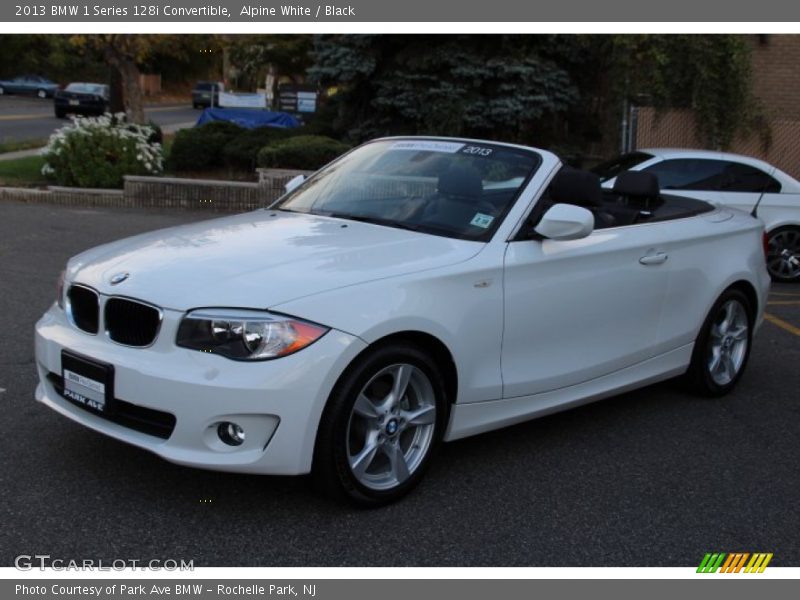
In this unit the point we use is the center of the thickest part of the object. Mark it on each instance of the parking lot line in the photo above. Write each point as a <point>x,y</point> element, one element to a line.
<point>29,116</point>
<point>782,324</point>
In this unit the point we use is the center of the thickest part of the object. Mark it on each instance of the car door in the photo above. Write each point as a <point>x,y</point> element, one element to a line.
<point>26,85</point>
<point>18,85</point>
<point>577,310</point>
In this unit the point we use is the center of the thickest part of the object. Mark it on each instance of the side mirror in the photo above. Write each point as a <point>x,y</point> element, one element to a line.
<point>294,183</point>
<point>566,222</point>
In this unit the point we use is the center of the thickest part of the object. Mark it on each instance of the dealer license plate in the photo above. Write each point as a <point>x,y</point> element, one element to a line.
<point>87,381</point>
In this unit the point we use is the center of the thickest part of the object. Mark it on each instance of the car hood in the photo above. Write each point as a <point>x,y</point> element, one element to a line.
<point>259,259</point>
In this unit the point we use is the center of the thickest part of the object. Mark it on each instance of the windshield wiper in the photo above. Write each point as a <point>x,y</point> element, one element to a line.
<point>374,220</point>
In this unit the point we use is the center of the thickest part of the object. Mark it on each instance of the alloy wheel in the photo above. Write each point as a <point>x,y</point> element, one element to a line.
<point>728,341</point>
<point>783,254</point>
<point>391,426</point>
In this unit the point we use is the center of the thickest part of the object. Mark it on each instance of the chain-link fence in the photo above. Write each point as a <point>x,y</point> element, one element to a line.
<point>778,145</point>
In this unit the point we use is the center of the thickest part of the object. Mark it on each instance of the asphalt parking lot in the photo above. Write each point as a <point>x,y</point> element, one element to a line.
<point>649,478</point>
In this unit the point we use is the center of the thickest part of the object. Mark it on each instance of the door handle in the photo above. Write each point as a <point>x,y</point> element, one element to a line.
<point>654,259</point>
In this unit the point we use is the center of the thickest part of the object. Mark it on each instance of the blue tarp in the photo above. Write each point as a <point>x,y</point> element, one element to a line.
<point>248,117</point>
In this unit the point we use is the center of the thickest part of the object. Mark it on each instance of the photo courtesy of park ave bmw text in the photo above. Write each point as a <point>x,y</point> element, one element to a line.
<point>293,287</point>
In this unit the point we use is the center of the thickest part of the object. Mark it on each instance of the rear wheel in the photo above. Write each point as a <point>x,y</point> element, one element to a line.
<point>723,345</point>
<point>783,254</point>
<point>381,426</point>
<point>2,90</point>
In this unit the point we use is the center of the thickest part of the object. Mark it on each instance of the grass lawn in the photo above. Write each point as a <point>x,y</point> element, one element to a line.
<point>22,172</point>
<point>14,145</point>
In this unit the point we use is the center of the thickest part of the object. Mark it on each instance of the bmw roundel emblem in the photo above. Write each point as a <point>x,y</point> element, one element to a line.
<point>119,278</point>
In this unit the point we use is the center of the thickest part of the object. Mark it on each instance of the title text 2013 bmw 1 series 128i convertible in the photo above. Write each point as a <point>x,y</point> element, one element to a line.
<point>414,290</point>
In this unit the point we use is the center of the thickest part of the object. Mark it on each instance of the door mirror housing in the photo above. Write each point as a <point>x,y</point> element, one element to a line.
<point>294,183</point>
<point>566,222</point>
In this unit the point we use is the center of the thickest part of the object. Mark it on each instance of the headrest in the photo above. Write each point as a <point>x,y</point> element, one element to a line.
<point>461,181</point>
<point>573,186</point>
<point>636,183</point>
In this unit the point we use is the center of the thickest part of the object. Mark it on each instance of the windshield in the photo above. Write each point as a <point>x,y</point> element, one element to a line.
<point>611,168</point>
<point>86,88</point>
<point>451,188</point>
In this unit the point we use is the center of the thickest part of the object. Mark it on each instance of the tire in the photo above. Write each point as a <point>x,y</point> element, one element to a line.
<point>2,90</point>
<point>373,444</point>
<point>722,347</point>
<point>41,94</point>
<point>783,254</point>
<point>60,114</point>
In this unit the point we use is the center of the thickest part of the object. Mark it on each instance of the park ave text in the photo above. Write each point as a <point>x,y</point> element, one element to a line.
<point>178,589</point>
<point>257,12</point>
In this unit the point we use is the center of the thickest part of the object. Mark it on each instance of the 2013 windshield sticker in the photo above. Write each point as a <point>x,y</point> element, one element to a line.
<point>481,220</point>
<point>428,146</point>
<point>477,151</point>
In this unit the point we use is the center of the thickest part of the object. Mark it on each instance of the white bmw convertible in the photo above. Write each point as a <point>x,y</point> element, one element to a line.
<point>416,290</point>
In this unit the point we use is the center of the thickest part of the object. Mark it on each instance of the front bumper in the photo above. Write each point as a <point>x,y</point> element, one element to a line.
<point>278,402</point>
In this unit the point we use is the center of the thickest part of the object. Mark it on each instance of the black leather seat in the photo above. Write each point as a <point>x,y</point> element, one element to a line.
<point>638,186</point>
<point>638,196</point>
<point>460,183</point>
<point>458,198</point>
<point>581,188</point>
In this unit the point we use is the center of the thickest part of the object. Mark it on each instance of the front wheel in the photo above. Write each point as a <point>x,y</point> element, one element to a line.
<point>42,94</point>
<point>723,345</point>
<point>783,254</point>
<point>2,90</point>
<point>382,424</point>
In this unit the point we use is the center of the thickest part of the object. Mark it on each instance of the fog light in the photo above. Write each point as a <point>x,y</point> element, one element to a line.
<point>230,433</point>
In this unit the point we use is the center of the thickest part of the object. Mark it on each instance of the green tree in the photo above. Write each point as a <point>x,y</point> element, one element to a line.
<point>489,86</point>
<point>709,74</point>
<point>562,91</point>
<point>256,56</point>
<point>125,53</point>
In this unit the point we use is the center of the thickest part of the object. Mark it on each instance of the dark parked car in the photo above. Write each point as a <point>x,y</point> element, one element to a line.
<point>81,98</point>
<point>29,84</point>
<point>206,93</point>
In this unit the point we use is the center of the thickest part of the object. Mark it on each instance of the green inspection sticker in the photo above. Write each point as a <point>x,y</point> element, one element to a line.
<point>481,220</point>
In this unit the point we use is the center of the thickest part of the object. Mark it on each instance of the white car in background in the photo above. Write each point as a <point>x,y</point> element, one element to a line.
<point>730,179</point>
<point>414,290</point>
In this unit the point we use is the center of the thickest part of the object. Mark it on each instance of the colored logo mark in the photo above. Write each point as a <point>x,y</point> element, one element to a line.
<point>735,562</point>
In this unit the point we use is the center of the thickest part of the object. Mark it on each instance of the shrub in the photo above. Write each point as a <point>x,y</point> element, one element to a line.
<point>157,137</point>
<point>201,147</point>
<point>99,151</point>
<point>241,152</point>
<point>301,152</point>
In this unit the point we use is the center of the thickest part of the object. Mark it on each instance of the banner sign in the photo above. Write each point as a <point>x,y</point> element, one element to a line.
<point>242,100</point>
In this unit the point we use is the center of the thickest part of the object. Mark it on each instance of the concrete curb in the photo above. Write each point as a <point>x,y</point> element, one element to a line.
<point>19,154</point>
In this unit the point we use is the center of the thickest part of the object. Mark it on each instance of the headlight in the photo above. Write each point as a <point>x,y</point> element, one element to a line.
<point>246,334</point>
